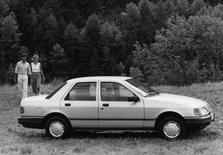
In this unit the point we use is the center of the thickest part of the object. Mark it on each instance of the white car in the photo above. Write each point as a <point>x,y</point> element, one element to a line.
<point>113,103</point>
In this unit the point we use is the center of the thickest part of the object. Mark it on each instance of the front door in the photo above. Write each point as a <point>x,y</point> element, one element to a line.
<point>81,105</point>
<point>115,111</point>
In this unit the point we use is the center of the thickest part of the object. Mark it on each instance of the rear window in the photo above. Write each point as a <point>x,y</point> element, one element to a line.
<point>55,91</point>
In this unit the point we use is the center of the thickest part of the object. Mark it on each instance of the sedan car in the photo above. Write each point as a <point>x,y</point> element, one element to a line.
<point>113,103</point>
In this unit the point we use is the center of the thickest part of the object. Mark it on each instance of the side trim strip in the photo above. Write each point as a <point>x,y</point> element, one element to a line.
<point>31,116</point>
<point>93,119</point>
<point>111,119</point>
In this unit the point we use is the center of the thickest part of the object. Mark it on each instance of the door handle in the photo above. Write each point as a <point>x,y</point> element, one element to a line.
<point>105,105</point>
<point>67,104</point>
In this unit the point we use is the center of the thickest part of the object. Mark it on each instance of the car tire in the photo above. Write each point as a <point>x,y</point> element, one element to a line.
<point>57,127</point>
<point>172,128</point>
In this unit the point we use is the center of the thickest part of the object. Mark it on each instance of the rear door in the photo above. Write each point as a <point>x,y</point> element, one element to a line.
<point>115,111</point>
<point>81,105</point>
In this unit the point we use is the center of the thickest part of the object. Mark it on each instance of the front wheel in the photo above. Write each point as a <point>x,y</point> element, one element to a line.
<point>57,127</point>
<point>172,128</point>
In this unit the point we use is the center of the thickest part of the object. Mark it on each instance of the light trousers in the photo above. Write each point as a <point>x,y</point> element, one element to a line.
<point>23,85</point>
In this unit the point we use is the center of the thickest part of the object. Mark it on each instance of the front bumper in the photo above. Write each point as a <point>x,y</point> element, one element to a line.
<point>198,123</point>
<point>31,122</point>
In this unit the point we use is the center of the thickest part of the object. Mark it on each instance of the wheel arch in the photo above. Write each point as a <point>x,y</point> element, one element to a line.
<point>52,115</point>
<point>166,114</point>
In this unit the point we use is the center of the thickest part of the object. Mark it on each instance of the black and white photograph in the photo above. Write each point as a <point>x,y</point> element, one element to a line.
<point>111,77</point>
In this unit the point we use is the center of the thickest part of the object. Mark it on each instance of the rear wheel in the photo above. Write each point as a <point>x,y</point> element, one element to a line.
<point>57,127</point>
<point>172,128</point>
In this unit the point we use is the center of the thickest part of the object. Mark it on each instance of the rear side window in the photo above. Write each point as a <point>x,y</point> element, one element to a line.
<point>56,90</point>
<point>83,91</point>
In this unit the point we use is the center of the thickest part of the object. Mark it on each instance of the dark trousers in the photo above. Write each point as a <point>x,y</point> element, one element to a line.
<point>36,81</point>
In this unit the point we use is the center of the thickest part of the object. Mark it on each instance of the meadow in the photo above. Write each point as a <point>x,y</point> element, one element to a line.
<point>15,139</point>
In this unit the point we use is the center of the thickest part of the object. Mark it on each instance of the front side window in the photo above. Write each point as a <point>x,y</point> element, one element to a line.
<point>111,91</point>
<point>83,91</point>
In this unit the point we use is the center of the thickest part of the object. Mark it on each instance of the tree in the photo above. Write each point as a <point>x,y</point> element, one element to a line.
<point>147,20</point>
<point>208,44</point>
<point>9,40</point>
<point>197,5</point>
<point>141,62</point>
<point>58,61</point>
<point>183,7</point>
<point>51,26</point>
<point>174,46</point>
<point>89,47</point>
<point>71,35</point>
<point>148,66</point>
<point>4,8</point>
<point>130,26</point>
<point>163,11</point>
<point>111,53</point>
<point>217,11</point>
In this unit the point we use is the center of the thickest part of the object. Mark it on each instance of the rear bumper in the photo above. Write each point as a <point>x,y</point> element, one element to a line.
<point>31,122</point>
<point>198,123</point>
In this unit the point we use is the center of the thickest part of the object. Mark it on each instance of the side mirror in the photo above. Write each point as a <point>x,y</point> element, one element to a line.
<point>133,99</point>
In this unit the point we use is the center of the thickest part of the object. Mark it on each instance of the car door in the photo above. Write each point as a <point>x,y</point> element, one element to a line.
<point>81,105</point>
<point>115,111</point>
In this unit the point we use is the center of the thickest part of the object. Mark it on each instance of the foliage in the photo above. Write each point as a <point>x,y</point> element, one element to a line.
<point>208,40</point>
<point>174,45</point>
<point>182,7</point>
<point>89,47</point>
<point>71,34</point>
<point>58,61</point>
<point>9,39</point>
<point>197,5</point>
<point>111,49</point>
<point>181,39</point>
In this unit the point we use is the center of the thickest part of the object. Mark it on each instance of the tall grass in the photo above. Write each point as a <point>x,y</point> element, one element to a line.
<point>47,88</point>
<point>15,139</point>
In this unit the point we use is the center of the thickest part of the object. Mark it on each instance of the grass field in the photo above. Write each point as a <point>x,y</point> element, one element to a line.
<point>14,139</point>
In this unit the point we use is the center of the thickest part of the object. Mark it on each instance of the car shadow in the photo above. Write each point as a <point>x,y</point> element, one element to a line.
<point>114,134</point>
<point>211,135</point>
<point>207,134</point>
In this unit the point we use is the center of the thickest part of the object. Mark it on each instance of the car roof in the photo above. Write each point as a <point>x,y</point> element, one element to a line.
<point>109,78</point>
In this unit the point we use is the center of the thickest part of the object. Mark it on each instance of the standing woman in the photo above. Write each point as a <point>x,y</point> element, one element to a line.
<point>37,73</point>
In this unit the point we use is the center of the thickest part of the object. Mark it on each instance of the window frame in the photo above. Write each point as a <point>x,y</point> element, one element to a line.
<point>114,83</point>
<point>65,96</point>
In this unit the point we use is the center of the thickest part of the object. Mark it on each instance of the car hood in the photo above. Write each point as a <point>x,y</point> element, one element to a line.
<point>35,98</point>
<point>179,99</point>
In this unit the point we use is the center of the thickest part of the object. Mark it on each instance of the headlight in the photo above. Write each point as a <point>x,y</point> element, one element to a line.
<point>200,111</point>
<point>208,108</point>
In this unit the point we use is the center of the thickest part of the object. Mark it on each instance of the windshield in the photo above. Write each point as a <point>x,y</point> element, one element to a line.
<point>142,88</point>
<point>55,91</point>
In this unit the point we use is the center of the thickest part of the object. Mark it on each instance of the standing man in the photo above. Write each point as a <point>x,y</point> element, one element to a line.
<point>23,70</point>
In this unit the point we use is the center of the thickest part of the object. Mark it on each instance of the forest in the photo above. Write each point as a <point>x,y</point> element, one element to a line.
<point>159,42</point>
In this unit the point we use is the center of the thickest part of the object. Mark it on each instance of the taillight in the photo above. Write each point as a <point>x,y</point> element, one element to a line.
<point>22,110</point>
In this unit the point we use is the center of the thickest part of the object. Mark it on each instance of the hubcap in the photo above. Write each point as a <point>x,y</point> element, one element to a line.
<point>56,128</point>
<point>171,129</point>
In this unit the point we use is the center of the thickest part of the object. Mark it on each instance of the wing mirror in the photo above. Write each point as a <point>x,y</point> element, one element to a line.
<point>133,99</point>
